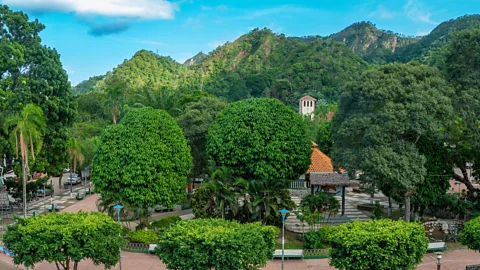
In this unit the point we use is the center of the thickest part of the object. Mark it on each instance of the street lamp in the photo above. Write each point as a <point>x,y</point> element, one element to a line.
<point>439,257</point>
<point>118,207</point>
<point>284,213</point>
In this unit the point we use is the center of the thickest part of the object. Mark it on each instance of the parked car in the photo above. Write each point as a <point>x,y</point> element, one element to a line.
<point>10,174</point>
<point>73,180</point>
<point>48,192</point>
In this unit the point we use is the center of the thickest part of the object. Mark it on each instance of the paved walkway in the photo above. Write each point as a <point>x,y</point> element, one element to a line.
<point>452,260</point>
<point>62,200</point>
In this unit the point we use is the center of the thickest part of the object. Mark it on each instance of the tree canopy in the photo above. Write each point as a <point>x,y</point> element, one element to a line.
<point>382,117</point>
<point>143,161</point>
<point>203,244</point>
<point>65,238</point>
<point>260,138</point>
<point>196,118</point>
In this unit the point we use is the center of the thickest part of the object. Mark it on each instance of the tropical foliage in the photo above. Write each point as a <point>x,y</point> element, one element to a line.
<point>203,244</point>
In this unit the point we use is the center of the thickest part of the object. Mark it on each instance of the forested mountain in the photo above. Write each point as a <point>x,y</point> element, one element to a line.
<point>264,64</point>
<point>373,44</point>
<point>87,85</point>
<point>195,60</point>
<point>428,49</point>
<point>149,70</point>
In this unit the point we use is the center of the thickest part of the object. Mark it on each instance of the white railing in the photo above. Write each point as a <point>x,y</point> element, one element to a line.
<point>298,184</point>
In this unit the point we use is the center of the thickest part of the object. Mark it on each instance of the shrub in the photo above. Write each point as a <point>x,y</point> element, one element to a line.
<point>145,237</point>
<point>379,244</point>
<point>164,223</point>
<point>471,234</point>
<point>313,240</point>
<point>65,238</point>
<point>216,244</point>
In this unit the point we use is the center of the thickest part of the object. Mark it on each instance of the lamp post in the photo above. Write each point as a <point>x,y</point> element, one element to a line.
<point>284,214</point>
<point>118,207</point>
<point>439,257</point>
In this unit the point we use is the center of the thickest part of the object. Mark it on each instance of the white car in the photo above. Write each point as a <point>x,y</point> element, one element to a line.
<point>10,174</point>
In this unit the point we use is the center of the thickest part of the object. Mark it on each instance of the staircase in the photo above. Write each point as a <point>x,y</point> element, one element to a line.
<point>351,213</point>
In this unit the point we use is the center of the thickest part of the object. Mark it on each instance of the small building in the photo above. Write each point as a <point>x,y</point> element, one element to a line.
<point>322,177</point>
<point>307,105</point>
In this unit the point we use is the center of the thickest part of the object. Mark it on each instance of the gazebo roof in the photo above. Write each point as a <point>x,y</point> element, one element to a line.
<point>320,161</point>
<point>322,172</point>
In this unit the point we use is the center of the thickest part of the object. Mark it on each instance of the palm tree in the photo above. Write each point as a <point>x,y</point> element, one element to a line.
<point>114,99</point>
<point>224,198</point>
<point>75,151</point>
<point>28,129</point>
<point>162,98</point>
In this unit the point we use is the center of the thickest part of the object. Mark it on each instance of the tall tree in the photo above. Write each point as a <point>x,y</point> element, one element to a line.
<point>462,66</point>
<point>32,73</point>
<point>260,139</point>
<point>382,117</point>
<point>143,161</point>
<point>26,134</point>
<point>195,120</point>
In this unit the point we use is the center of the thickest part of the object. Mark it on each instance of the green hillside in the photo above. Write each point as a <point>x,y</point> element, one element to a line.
<point>374,45</point>
<point>264,64</point>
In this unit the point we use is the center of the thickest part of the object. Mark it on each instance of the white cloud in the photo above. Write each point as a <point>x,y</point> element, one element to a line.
<point>382,13</point>
<point>276,10</point>
<point>217,8</point>
<point>144,9</point>
<point>415,11</point>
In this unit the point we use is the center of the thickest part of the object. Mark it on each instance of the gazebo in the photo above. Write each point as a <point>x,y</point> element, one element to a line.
<point>322,176</point>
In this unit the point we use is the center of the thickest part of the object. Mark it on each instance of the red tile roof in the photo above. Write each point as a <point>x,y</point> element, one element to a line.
<point>320,161</point>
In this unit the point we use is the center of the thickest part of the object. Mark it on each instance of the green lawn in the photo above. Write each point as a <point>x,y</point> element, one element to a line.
<point>291,241</point>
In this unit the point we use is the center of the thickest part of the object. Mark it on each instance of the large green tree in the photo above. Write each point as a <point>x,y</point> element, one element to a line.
<point>65,239</point>
<point>196,118</point>
<point>381,244</point>
<point>143,161</point>
<point>462,68</point>
<point>381,119</point>
<point>260,139</point>
<point>33,73</point>
<point>203,244</point>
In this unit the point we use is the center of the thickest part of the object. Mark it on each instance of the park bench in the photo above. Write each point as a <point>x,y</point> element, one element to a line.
<point>151,248</point>
<point>289,253</point>
<point>438,246</point>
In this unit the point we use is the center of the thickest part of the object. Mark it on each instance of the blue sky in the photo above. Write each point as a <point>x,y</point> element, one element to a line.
<point>93,36</point>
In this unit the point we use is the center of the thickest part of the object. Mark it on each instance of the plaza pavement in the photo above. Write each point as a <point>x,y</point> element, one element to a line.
<point>452,260</point>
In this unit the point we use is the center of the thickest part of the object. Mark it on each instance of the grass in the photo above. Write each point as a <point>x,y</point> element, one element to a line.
<point>291,241</point>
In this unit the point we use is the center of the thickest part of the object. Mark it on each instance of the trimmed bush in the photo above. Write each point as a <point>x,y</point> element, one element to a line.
<point>216,244</point>
<point>378,244</point>
<point>145,237</point>
<point>471,234</point>
<point>164,223</point>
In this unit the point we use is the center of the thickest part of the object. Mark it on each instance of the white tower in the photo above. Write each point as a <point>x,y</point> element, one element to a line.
<point>307,105</point>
